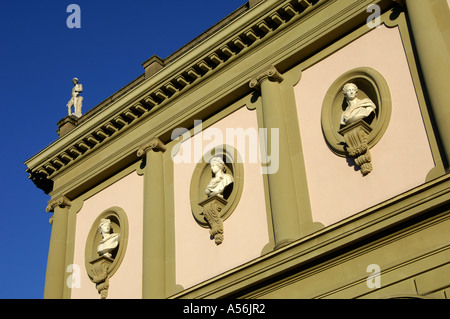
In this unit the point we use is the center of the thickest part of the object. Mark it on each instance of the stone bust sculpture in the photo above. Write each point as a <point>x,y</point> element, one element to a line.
<point>220,181</point>
<point>109,241</point>
<point>76,100</point>
<point>356,109</point>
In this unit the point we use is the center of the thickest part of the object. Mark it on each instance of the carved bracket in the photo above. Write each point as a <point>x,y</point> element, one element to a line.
<point>99,274</point>
<point>212,212</point>
<point>355,137</point>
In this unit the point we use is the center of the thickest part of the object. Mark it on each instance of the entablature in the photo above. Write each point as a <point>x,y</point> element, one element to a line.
<point>173,80</point>
<point>176,79</point>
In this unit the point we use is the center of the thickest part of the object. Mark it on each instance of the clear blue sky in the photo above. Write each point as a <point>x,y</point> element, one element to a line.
<point>39,56</point>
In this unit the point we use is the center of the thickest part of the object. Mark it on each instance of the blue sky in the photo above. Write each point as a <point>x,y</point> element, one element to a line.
<point>39,56</point>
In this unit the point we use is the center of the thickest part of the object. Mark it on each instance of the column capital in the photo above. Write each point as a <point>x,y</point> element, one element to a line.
<point>155,144</point>
<point>269,73</point>
<point>60,201</point>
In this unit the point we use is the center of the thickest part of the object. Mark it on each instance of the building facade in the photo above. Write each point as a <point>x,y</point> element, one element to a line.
<point>297,149</point>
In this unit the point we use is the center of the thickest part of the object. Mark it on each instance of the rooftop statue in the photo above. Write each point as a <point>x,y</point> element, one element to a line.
<point>220,181</point>
<point>76,100</point>
<point>356,109</point>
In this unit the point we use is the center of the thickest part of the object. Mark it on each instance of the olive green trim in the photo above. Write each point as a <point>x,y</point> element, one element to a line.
<point>77,205</point>
<point>402,276</point>
<point>285,219</point>
<point>378,220</point>
<point>154,221</point>
<point>307,225</point>
<point>171,286</point>
<point>429,24</point>
<point>56,268</point>
<point>401,23</point>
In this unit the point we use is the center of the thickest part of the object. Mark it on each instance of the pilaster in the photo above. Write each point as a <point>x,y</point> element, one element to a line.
<point>429,22</point>
<point>56,264</point>
<point>281,183</point>
<point>154,258</point>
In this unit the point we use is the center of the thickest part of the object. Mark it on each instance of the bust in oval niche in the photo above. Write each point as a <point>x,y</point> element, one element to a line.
<point>105,247</point>
<point>355,114</point>
<point>215,190</point>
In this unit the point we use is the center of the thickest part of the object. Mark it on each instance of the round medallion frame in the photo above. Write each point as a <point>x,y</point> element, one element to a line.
<point>119,224</point>
<point>371,84</point>
<point>202,175</point>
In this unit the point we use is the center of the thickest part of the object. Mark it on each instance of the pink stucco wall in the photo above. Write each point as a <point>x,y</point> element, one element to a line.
<point>401,159</point>
<point>245,231</point>
<point>127,194</point>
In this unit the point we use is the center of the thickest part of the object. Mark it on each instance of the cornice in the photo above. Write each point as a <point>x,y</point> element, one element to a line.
<point>232,41</point>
